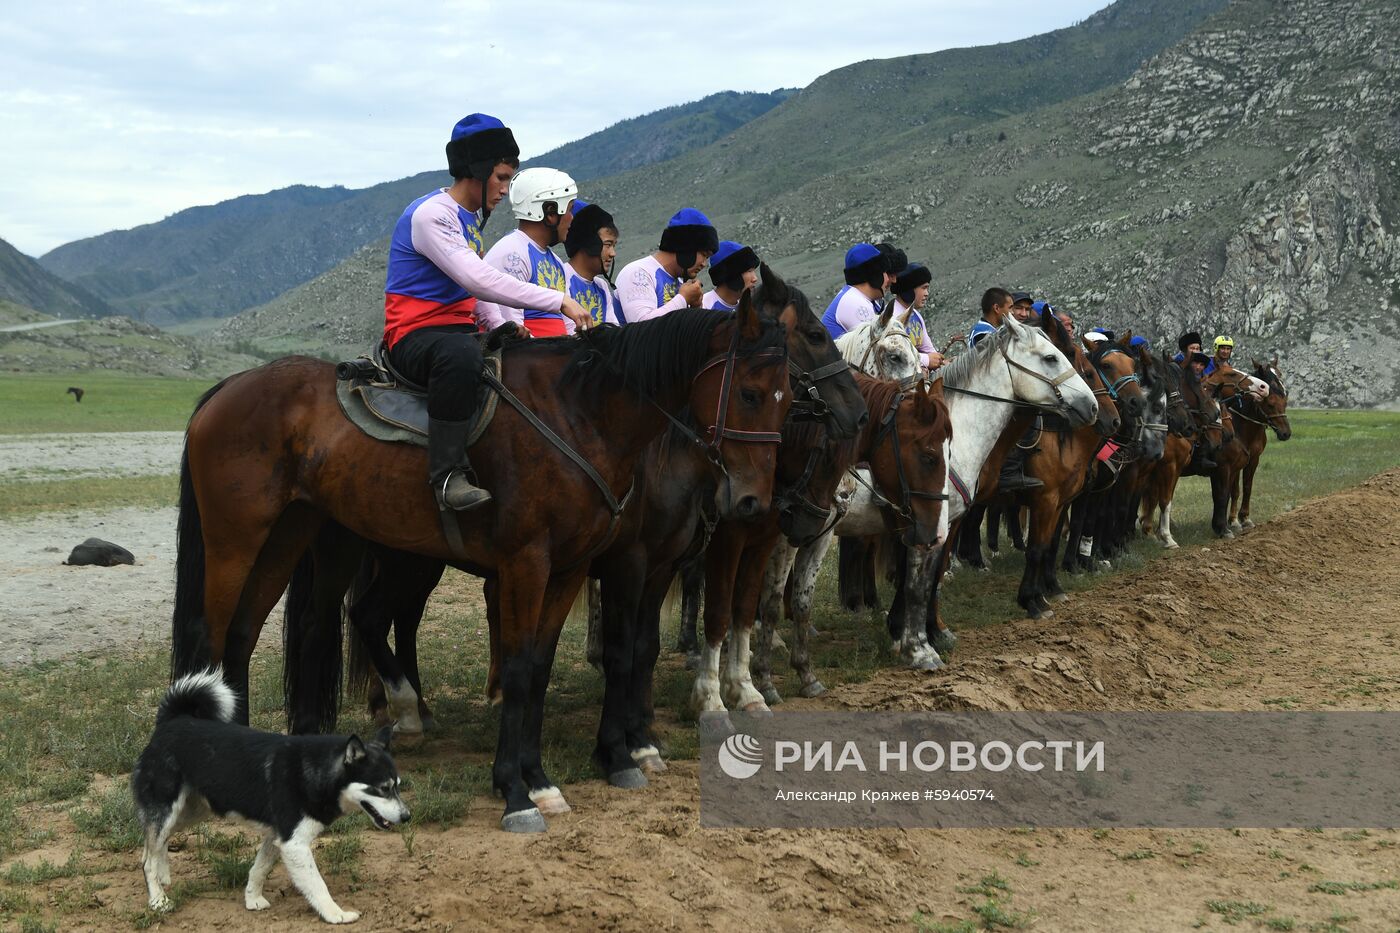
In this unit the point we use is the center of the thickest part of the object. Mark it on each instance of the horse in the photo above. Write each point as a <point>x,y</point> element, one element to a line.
<point>1204,428</point>
<point>868,345</point>
<point>269,459</point>
<point>916,427</point>
<point>984,387</point>
<point>1254,404</point>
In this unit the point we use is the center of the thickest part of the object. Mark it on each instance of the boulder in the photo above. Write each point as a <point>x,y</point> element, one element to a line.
<point>94,552</point>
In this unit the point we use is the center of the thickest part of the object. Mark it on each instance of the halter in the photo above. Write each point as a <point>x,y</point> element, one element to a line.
<point>807,402</point>
<point>1054,384</point>
<point>1113,388</point>
<point>793,497</point>
<point>1237,401</point>
<point>904,509</point>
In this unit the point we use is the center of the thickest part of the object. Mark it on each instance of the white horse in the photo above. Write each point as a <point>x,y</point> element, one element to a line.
<point>1018,364</point>
<point>881,347</point>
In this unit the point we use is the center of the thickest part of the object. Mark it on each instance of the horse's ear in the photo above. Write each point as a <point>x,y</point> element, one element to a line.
<point>1012,323</point>
<point>935,388</point>
<point>1258,366</point>
<point>750,321</point>
<point>883,321</point>
<point>1126,340</point>
<point>775,290</point>
<point>1274,364</point>
<point>908,312</point>
<point>1088,344</point>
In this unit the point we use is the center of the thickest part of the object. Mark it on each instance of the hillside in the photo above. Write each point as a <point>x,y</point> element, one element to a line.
<point>25,283</point>
<point>118,344</point>
<point>808,140</point>
<point>216,260</point>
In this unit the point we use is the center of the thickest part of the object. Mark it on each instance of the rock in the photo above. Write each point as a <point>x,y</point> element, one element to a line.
<point>94,552</point>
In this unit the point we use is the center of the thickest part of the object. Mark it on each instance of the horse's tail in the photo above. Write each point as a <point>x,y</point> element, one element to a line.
<point>311,644</point>
<point>359,667</point>
<point>189,637</point>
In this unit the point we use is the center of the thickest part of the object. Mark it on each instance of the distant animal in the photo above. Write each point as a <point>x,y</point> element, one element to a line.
<point>199,762</point>
<point>76,392</point>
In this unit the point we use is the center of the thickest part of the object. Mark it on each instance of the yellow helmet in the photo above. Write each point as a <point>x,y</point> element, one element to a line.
<point>1223,341</point>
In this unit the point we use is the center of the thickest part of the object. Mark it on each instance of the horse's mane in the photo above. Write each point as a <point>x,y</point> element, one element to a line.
<point>646,357</point>
<point>959,372</point>
<point>1269,376</point>
<point>879,395</point>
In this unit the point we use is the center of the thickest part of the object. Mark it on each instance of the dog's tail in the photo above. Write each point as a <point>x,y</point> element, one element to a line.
<point>202,695</point>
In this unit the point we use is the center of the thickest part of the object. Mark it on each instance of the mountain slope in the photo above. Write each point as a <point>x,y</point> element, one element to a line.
<point>216,260</point>
<point>24,282</point>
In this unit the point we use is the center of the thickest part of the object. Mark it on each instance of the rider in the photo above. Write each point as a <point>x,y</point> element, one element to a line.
<point>436,274</point>
<point>733,270</point>
<point>665,281</point>
<point>1139,341</point>
<point>1224,349</point>
<point>540,200</point>
<point>1021,303</point>
<point>868,273</point>
<point>591,245</point>
<point>996,306</point>
<point>1187,344</point>
<point>1199,362</point>
<point>911,291</point>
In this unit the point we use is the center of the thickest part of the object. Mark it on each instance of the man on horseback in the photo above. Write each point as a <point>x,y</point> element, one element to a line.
<point>665,281</point>
<point>910,288</point>
<point>996,305</point>
<point>1187,344</point>
<point>591,245</point>
<point>1224,349</point>
<point>436,276</point>
<point>868,271</point>
<point>733,270</point>
<point>539,199</point>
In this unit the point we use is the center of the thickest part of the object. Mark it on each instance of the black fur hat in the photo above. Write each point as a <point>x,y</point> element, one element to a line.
<point>1188,338</point>
<point>910,278</point>
<point>584,231</point>
<point>689,231</point>
<point>730,262</point>
<point>478,143</point>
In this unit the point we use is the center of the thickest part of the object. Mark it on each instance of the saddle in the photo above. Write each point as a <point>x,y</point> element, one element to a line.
<point>382,403</point>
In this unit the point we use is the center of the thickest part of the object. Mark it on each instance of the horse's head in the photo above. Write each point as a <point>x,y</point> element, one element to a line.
<point>1274,405</point>
<point>810,466</point>
<point>1108,420</point>
<point>1041,375</point>
<point>909,461</point>
<point>1119,368</point>
<point>881,348</point>
<point>822,386</point>
<point>1204,409</point>
<point>740,398</point>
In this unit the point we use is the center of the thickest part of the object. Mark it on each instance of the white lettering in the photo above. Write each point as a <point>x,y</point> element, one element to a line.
<point>850,756</point>
<point>1094,754</point>
<point>962,756</point>
<point>785,753</point>
<point>900,754</point>
<point>1001,748</point>
<point>1021,761</point>
<point>921,763</point>
<point>1060,746</point>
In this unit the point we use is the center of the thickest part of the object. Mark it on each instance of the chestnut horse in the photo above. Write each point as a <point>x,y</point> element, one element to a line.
<point>1254,404</point>
<point>1205,429</point>
<point>269,458</point>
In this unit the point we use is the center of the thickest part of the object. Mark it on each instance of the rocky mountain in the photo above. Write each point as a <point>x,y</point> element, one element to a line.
<point>25,283</point>
<point>813,152</point>
<point>216,260</point>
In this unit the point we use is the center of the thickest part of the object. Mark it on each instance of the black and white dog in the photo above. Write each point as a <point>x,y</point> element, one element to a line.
<point>200,763</point>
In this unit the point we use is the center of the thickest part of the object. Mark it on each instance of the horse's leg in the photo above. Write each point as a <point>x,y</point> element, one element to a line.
<point>737,686</point>
<point>692,581</point>
<point>721,567</point>
<point>519,591</point>
<point>1249,469</point>
<point>1235,479</point>
<point>621,595</point>
<point>492,591</point>
<point>994,514</point>
<point>593,648</point>
<point>405,694</point>
<point>1050,573</point>
<point>1073,529</point>
<point>899,564</point>
<point>372,619</point>
<point>559,598</point>
<point>239,596</point>
<point>770,613</point>
<point>970,538</point>
<point>870,586</point>
<point>1031,594</point>
<point>850,575</point>
<point>1220,480</point>
<point>804,585</point>
<point>919,576</point>
<point>1013,527</point>
<point>940,636</point>
<point>642,744</point>
<point>312,633</point>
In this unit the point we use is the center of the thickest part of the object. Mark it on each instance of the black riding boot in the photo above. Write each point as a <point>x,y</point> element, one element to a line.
<point>448,469</point>
<point>1013,473</point>
<point>1199,461</point>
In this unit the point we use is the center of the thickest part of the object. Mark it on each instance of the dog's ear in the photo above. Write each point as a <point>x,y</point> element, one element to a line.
<point>385,736</point>
<point>354,750</point>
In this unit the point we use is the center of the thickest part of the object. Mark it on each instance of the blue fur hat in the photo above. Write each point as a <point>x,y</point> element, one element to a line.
<point>689,231</point>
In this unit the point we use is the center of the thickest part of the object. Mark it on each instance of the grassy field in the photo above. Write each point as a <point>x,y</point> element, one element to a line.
<point>32,403</point>
<point>57,771</point>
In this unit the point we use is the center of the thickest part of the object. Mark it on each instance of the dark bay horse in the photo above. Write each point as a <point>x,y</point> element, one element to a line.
<point>1204,429</point>
<point>269,459</point>
<point>1253,414</point>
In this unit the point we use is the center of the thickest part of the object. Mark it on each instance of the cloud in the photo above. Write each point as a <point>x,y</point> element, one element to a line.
<point>120,114</point>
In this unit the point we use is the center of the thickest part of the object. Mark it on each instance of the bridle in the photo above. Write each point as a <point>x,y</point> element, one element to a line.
<point>807,402</point>
<point>1237,400</point>
<point>1112,388</point>
<point>904,509</point>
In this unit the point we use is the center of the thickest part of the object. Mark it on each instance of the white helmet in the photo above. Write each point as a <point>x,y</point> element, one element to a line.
<point>532,188</point>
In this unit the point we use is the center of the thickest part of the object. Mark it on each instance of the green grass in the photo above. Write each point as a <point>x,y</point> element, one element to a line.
<point>35,403</point>
<point>22,500</point>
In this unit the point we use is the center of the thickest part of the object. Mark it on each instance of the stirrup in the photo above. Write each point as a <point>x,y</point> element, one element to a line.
<point>459,494</point>
<point>1016,482</point>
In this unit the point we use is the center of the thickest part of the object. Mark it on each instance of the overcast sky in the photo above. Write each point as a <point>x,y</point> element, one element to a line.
<point>116,114</point>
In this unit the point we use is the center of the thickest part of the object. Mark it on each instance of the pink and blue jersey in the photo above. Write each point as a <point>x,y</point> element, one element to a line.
<point>594,295</point>
<point>916,329</point>
<point>848,310</point>
<point>436,273</point>
<point>520,258</point>
<point>645,290</point>
<point>714,302</point>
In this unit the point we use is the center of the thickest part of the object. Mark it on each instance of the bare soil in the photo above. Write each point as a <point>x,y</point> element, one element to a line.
<point>1303,612</point>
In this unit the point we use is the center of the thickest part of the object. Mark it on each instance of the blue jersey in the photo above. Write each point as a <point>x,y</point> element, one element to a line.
<point>979,330</point>
<point>594,296</point>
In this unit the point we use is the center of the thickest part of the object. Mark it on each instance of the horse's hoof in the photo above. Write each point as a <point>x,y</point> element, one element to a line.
<point>628,779</point>
<point>1060,597</point>
<point>814,689</point>
<point>652,764</point>
<point>756,708</point>
<point>812,631</point>
<point>714,723</point>
<point>1170,545</point>
<point>926,664</point>
<point>1247,523</point>
<point>524,821</point>
<point>550,801</point>
<point>381,717</point>
<point>944,641</point>
<point>771,696</point>
<point>429,723</point>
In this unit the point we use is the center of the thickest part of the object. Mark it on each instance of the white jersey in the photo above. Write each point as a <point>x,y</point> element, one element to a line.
<point>645,290</point>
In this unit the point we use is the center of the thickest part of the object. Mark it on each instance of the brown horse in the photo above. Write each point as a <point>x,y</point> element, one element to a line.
<point>269,458</point>
<point>1253,415</point>
<point>1206,429</point>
